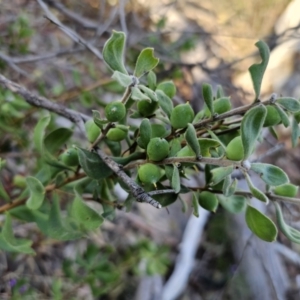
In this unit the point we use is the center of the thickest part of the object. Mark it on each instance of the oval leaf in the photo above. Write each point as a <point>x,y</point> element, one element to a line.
<point>256,192</point>
<point>37,193</point>
<point>39,133</point>
<point>218,174</point>
<point>191,139</point>
<point>164,102</point>
<point>168,87</point>
<point>175,182</point>
<point>270,174</point>
<point>283,115</point>
<point>208,97</point>
<point>257,70</point>
<point>234,204</point>
<point>290,104</point>
<point>113,52</point>
<point>85,215</point>
<point>260,225</point>
<point>56,139</point>
<point>251,126</point>
<point>92,165</point>
<point>124,79</point>
<point>145,62</point>
<point>295,132</point>
<point>145,133</point>
<point>195,206</point>
<point>291,233</point>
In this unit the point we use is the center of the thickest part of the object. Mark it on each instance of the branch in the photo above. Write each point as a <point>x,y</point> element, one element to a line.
<point>42,102</point>
<point>188,159</point>
<point>69,32</point>
<point>137,191</point>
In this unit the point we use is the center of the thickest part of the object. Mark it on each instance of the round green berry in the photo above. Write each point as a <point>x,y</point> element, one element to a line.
<point>116,134</point>
<point>181,115</point>
<point>235,149</point>
<point>157,149</point>
<point>70,157</point>
<point>272,117</point>
<point>146,108</point>
<point>149,173</point>
<point>92,130</point>
<point>115,111</point>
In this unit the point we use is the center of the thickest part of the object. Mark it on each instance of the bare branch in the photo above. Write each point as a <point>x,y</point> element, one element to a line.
<point>69,32</point>
<point>137,191</point>
<point>42,102</point>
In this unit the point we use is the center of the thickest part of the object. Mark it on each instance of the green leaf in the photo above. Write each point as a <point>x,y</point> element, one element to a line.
<point>191,139</point>
<point>220,92</point>
<point>251,126</point>
<point>257,70</point>
<point>291,233</point>
<point>283,115</point>
<point>295,132</point>
<point>9,243</point>
<point>208,97</point>
<point>85,215</point>
<point>145,62</point>
<point>290,104</point>
<point>175,182</point>
<point>256,192</point>
<point>3,193</point>
<point>145,133</point>
<point>151,80</point>
<point>229,186</point>
<point>37,193</point>
<point>136,94</point>
<point>164,102</point>
<point>39,133</point>
<point>234,204</point>
<point>113,52</point>
<point>93,166</point>
<point>270,174</point>
<point>208,201</point>
<point>56,227</point>
<point>56,139</point>
<point>124,79</point>
<point>168,87</point>
<point>206,145</point>
<point>260,225</point>
<point>165,199</point>
<point>97,119</point>
<point>175,147</point>
<point>150,93</point>
<point>218,174</point>
<point>195,206</point>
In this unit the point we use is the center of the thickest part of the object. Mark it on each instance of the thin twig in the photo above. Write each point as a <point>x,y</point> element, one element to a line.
<point>137,191</point>
<point>70,33</point>
<point>42,102</point>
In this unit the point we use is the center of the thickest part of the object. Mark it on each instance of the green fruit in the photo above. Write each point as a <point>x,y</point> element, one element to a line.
<point>158,130</point>
<point>149,173</point>
<point>222,105</point>
<point>286,190</point>
<point>92,130</point>
<point>272,117</point>
<point>157,149</point>
<point>116,134</point>
<point>208,201</point>
<point>19,181</point>
<point>146,108</point>
<point>235,149</point>
<point>181,115</point>
<point>115,111</point>
<point>70,157</point>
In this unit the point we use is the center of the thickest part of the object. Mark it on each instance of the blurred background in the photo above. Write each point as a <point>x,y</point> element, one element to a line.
<point>149,254</point>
